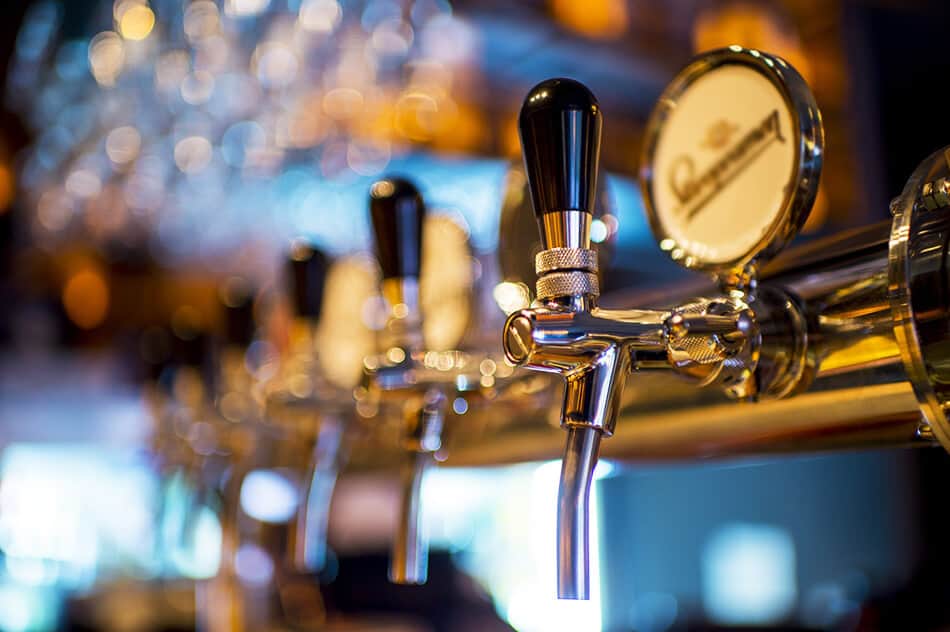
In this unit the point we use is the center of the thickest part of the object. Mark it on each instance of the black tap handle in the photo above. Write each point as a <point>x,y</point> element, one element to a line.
<point>307,274</point>
<point>196,349</point>
<point>560,126</point>
<point>397,211</point>
<point>237,300</point>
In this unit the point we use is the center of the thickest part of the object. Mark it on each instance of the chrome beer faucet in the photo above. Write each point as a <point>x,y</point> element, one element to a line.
<point>319,418</point>
<point>714,340</point>
<point>423,386</point>
<point>397,212</point>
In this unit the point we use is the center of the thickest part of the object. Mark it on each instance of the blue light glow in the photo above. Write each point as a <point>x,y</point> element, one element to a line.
<point>515,563</point>
<point>269,496</point>
<point>749,574</point>
<point>57,528</point>
<point>253,565</point>
<point>199,555</point>
<point>331,214</point>
<point>25,609</point>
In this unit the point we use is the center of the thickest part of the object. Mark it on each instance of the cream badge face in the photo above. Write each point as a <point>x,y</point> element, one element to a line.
<point>723,166</point>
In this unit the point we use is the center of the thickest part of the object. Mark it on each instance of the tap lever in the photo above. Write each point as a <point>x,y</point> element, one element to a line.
<point>307,271</point>
<point>397,211</point>
<point>560,127</point>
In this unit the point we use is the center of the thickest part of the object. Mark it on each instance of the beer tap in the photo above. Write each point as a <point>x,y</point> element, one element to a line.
<point>318,417</point>
<point>424,385</point>
<point>397,213</point>
<point>715,340</point>
<point>188,446</point>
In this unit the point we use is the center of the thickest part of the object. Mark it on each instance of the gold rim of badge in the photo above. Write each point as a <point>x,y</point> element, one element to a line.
<point>803,184</point>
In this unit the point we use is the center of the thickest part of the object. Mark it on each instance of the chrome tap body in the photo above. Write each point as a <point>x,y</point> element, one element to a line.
<point>595,349</point>
<point>565,332</point>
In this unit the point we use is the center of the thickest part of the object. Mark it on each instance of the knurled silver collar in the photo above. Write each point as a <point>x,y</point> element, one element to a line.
<point>566,272</point>
<point>571,283</point>
<point>561,259</point>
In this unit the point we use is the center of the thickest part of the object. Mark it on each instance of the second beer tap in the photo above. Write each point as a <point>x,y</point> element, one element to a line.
<point>425,386</point>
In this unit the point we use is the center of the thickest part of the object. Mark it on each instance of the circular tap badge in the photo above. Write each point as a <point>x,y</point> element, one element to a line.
<point>732,159</point>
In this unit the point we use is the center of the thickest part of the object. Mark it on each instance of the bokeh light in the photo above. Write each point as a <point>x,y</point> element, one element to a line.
<point>136,22</point>
<point>86,297</point>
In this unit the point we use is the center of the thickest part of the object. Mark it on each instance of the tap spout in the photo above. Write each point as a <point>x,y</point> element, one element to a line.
<point>573,512</point>
<point>309,544</point>
<point>409,560</point>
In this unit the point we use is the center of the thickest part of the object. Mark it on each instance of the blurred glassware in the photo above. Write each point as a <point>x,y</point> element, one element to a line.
<point>190,126</point>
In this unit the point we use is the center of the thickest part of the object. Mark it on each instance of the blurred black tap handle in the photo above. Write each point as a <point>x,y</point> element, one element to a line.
<point>397,211</point>
<point>237,300</point>
<point>307,273</point>
<point>560,126</point>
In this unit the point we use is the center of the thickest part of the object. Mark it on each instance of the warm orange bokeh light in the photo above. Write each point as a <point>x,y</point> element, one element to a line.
<point>510,137</point>
<point>593,18</point>
<point>86,297</point>
<point>819,213</point>
<point>7,187</point>
<point>751,26</point>
<point>417,116</point>
<point>461,128</point>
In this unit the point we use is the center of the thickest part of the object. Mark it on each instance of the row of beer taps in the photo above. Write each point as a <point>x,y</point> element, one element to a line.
<point>415,388</point>
<point>754,336</point>
<point>218,419</point>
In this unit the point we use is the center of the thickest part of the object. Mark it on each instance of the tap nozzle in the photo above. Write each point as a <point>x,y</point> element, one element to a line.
<point>408,562</point>
<point>309,542</point>
<point>409,556</point>
<point>573,512</point>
